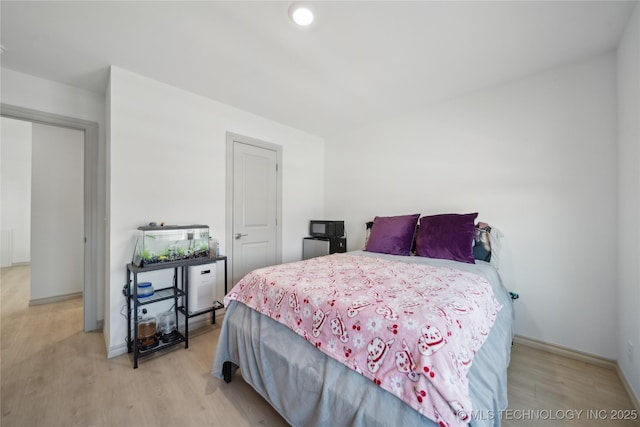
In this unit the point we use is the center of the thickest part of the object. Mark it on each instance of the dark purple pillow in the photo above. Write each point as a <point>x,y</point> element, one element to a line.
<point>392,234</point>
<point>447,236</point>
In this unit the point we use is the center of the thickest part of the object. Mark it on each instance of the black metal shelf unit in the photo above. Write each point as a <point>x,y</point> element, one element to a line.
<point>179,290</point>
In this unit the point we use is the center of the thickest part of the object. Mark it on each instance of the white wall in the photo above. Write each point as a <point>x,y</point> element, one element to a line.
<point>536,158</point>
<point>629,200</point>
<point>15,167</point>
<point>43,95</point>
<point>57,212</point>
<point>167,163</point>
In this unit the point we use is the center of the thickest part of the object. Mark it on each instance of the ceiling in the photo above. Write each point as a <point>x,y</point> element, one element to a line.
<point>360,62</point>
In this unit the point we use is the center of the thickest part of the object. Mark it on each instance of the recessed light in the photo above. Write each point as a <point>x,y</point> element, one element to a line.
<point>301,14</point>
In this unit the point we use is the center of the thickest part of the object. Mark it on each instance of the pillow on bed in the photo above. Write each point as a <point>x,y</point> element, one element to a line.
<point>367,232</point>
<point>495,237</point>
<point>392,234</point>
<point>447,236</point>
<point>482,241</point>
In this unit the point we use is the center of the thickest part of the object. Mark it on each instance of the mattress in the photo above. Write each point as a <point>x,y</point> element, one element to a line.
<point>309,388</point>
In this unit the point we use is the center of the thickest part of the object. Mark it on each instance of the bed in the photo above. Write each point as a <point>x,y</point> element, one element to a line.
<point>313,365</point>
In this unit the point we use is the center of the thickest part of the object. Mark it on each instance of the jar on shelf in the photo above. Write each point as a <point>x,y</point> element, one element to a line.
<point>147,337</point>
<point>167,327</point>
<point>214,248</point>
<point>145,290</point>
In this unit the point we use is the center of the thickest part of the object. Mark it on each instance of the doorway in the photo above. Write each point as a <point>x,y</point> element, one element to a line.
<point>88,260</point>
<point>254,204</point>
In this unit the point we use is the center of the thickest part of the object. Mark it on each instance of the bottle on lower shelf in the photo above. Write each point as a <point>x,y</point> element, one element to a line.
<point>167,330</point>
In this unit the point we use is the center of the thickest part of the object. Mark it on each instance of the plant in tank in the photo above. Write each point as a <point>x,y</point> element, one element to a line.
<point>147,254</point>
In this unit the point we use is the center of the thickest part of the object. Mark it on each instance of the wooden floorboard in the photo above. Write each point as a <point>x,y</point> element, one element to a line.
<point>557,390</point>
<point>53,374</point>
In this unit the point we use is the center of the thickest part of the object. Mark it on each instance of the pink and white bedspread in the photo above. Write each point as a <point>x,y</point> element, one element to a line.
<point>412,329</point>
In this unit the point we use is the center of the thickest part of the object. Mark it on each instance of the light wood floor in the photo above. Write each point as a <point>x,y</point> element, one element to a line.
<point>53,374</point>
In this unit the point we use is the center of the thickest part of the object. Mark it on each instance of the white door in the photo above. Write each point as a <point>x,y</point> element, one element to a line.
<point>255,208</point>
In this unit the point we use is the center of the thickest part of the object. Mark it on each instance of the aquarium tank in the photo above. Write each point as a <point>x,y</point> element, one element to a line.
<point>165,243</point>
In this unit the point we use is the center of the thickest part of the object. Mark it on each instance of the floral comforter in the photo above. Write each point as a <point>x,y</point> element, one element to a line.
<point>412,329</point>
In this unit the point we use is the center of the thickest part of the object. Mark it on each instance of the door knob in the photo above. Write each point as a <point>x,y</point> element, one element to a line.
<point>238,235</point>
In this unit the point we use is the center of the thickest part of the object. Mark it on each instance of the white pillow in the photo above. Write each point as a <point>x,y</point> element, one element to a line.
<point>496,245</point>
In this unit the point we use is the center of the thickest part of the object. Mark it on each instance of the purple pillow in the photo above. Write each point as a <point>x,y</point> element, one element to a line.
<point>392,234</point>
<point>447,236</point>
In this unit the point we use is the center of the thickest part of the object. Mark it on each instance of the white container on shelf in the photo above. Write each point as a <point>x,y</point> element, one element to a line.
<point>145,290</point>
<point>202,285</point>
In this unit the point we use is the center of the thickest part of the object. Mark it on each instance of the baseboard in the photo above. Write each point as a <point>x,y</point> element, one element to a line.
<point>566,352</point>
<point>199,322</point>
<point>48,300</point>
<point>627,386</point>
<point>117,350</point>
<point>582,357</point>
